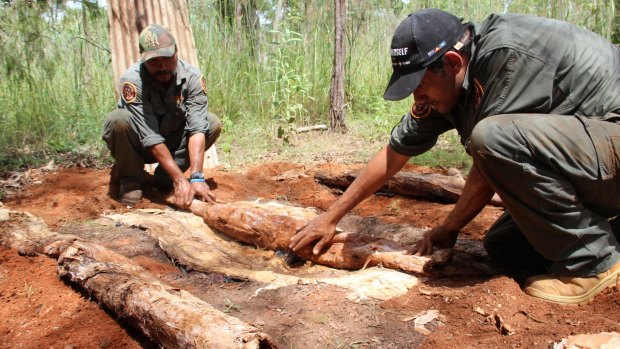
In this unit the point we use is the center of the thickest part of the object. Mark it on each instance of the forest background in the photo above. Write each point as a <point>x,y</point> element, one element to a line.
<point>268,65</point>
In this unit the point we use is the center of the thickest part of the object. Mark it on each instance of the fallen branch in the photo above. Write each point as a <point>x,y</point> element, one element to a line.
<point>172,317</point>
<point>271,226</point>
<point>311,128</point>
<point>421,185</point>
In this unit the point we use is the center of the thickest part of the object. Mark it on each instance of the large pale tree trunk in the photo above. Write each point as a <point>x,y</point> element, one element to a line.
<point>337,107</point>
<point>172,317</point>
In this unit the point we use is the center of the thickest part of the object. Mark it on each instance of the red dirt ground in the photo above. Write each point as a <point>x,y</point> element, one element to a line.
<point>40,311</point>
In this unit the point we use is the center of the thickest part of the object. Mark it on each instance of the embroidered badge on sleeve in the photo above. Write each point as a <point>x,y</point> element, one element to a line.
<point>420,111</point>
<point>479,92</point>
<point>129,91</point>
<point>203,83</point>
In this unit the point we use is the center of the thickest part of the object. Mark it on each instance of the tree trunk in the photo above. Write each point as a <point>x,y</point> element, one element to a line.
<point>431,186</point>
<point>172,317</point>
<point>272,225</point>
<point>179,319</point>
<point>336,100</point>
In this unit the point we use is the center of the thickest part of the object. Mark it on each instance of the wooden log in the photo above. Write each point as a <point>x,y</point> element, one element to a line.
<point>170,316</point>
<point>312,128</point>
<point>29,235</point>
<point>271,226</point>
<point>431,186</point>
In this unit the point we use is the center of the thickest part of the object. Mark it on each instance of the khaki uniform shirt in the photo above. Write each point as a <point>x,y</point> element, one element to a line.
<point>160,113</point>
<point>523,64</point>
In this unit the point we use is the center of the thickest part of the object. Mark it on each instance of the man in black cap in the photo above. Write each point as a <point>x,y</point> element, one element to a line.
<point>161,118</point>
<point>539,114</point>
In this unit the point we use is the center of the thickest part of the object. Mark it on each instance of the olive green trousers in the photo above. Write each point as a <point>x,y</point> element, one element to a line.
<point>559,179</point>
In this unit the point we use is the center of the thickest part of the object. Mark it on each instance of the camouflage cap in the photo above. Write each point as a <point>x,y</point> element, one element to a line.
<point>156,41</point>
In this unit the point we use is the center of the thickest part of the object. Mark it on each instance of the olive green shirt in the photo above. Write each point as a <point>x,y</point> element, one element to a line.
<point>523,64</point>
<point>158,113</point>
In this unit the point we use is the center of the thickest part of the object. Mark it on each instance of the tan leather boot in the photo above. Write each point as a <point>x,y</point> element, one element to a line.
<point>130,193</point>
<point>571,290</point>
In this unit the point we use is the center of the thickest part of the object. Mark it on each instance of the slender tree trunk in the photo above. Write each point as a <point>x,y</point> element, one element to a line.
<point>337,107</point>
<point>238,24</point>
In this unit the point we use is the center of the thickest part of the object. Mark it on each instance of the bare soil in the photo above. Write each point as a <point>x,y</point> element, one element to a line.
<point>38,310</point>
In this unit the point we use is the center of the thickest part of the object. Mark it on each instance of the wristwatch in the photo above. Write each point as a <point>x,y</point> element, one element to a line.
<point>197,177</point>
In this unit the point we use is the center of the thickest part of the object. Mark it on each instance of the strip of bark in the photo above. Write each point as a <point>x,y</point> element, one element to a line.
<point>432,186</point>
<point>271,226</point>
<point>170,316</point>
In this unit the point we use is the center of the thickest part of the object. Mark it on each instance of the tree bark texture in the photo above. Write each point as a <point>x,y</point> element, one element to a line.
<point>172,317</point>
<point>336,99</point>
<point>271,226</point>
<point>432,186</point>
<point>187,240</point>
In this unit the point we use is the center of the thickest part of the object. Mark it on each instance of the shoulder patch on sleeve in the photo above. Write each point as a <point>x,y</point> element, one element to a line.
<point>479,92</point>
<point>203,83</point>
<point>129,91</point>
<point>420,111</point>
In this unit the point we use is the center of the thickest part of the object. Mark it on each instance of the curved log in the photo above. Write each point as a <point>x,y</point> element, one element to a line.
<point>271,225</point>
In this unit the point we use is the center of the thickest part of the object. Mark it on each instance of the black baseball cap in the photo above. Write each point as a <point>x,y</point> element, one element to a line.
<point>419,40</point>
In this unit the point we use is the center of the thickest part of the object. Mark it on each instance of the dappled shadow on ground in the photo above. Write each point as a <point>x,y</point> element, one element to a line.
<point>39,308</point>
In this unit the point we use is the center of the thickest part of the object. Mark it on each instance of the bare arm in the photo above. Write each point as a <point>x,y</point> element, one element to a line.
<point>196,148</point>
<point>183,191</point>
<point>476,194</point>
<point>381,168</point>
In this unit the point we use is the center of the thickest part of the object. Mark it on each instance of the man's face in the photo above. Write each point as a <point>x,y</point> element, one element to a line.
<point>441,90</point>
<point>162,68</point>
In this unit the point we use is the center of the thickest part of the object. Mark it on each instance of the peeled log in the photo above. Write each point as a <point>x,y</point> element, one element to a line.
<point>272,225</point>
<point>421,185</point>
<point>172,317</point>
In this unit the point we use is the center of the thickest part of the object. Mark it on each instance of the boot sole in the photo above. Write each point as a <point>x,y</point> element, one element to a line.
<point>609,281</point>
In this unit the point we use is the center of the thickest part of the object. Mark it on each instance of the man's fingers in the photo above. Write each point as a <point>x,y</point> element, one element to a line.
<point>300,243</point>
<point>294,240</point>
<point>298,236</point>
<point>210,197</point>
<point>421,249</point>
<point>319,245</point>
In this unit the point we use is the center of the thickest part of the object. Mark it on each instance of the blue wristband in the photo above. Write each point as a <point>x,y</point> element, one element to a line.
<point>197,180</point>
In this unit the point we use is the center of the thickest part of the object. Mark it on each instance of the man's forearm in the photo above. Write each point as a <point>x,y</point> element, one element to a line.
<point>381,168</point>
<point>196,149</point>
<point>476,194</point>
<point>162,155</point>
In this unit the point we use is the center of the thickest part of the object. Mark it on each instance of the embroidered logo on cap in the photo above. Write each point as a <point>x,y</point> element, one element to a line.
<point>395,52</point>
<point>436,49</point>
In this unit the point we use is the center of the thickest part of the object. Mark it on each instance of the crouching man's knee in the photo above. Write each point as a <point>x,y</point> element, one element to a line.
<point>215,128</point>
<point>496,135</point>
<point>116,125</point>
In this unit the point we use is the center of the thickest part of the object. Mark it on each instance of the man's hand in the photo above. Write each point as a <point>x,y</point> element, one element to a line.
<point>439,237</point>
<point>183,192</point>
<point>320,228</point>
<point>203,191</point>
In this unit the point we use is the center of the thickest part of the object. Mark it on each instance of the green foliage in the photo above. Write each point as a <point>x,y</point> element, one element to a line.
<point>54,95</point>
<point>268,69</point>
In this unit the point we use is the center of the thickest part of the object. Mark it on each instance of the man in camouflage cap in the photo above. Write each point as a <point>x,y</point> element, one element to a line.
<point>540,116</point>
<point>161,117</point>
